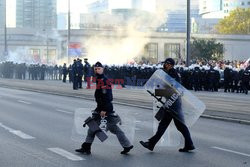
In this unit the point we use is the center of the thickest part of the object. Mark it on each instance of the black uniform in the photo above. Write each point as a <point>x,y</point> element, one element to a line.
<point>104,98</point>
<point>87,73</point>
<point>64,72</point>
<point>75,75</point>
<point>169,116</point>
<point>227,79</point>
<point>79,67</point>
<point>103,95</point>
<point>245,80</point>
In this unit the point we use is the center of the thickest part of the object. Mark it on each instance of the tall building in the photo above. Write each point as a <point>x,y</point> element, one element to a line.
<point>2,14</point>
<point>39,14</point>
<point>220,8</point>
<point>177,20</point>
<point>176,14</point>
<point>106,6</point>
<point>229,5</point>
<point>209,7</point>
<point>62,21</point>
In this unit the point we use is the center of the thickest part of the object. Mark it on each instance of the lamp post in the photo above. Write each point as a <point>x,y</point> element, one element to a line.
<point>68,41</point>
<point>5,54</point>
<point>47,45</point>
<point>188,34</point>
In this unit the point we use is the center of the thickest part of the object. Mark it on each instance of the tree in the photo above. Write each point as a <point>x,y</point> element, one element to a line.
<point>238,22</point>
<point>206,49</point>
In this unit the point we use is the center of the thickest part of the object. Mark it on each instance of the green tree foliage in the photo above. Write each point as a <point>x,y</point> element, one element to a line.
<point>238,22</point>
<point>204,49</point>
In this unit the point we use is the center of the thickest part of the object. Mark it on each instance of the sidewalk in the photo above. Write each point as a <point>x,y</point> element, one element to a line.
<point>219,105</point>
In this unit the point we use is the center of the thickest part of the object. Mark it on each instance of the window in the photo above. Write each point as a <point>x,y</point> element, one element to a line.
<point>51,52</point>
<point>172,50</point>
<point>150,53</point>
<point>242,3</point>
<point>248,2</point>
<point>35,54</point>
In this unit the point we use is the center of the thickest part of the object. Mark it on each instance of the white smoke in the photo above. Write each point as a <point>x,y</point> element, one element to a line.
<point>20,55</point>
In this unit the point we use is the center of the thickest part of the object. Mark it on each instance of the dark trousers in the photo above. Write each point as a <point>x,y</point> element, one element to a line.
<point>79,80</point>
<point>245,85</point>
<point>75,82</point>
<point>64,77</point>
<point>163,125</point>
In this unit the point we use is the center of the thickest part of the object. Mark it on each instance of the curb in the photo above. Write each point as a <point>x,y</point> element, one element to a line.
<point>227,119</point>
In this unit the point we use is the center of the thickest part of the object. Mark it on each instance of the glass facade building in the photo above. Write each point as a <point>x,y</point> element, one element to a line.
<point>229,5</point>
<point>39,14</point>
<point>2,14</point>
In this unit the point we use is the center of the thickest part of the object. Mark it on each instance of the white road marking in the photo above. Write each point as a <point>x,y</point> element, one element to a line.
<point>25,102</point>
<point>66,154</point>
<point>17,132</point>
<point>21,134</point>
<point>66,112</point>
<point>231,151</point>
<point>137,121</point>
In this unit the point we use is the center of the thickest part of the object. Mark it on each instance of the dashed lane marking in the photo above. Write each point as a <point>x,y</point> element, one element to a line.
<point>231,151</point>
<point>17,132</point>
<point>66,112</point>
<point>66,154</point>
<point>24,102</point>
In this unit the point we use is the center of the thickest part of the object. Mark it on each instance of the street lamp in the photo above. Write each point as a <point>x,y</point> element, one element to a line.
<point>188,34</point>
<point>5,54</point>
<point>68,31</point>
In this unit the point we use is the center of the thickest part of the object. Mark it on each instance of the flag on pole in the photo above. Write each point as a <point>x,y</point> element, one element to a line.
<point>75,49</point>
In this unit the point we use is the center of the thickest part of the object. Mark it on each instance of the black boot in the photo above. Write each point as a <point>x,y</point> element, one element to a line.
<point>126,149</point>
<point>147,145</point>
<point>85,149</point>
<point>187,148</point>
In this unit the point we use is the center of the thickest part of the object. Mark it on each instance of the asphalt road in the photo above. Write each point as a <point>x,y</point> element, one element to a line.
<point>36,130</point>
<point>231,106</point>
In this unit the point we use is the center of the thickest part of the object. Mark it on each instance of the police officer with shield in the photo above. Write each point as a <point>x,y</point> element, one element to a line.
<point>104,109</point>
<point>173,113</point>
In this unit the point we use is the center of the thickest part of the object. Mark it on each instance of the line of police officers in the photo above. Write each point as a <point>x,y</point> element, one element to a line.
<point>193,78</point>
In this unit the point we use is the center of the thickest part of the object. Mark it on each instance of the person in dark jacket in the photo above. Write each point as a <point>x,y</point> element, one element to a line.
<point>64,72</point>
<point>87,72</point>
<point>245,80</point>
<point>79,67</point>
<point>104,98</point>
<point>75,75</point>
<point>168,117</point>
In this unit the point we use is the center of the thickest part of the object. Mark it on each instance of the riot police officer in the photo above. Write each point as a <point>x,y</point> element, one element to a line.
<point>79,67</point>
<point>104,98</point>
<point>75,75</point>
<point>168,117</point>
<point>245,80</point>
<point>87,72</point>
<point>64,72</point>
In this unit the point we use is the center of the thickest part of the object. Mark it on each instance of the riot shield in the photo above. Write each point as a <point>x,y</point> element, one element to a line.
<point>175,99</point>
<point>83,121</point>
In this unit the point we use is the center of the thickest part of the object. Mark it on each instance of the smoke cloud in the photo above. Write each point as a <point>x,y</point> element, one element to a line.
<point>128,41</point>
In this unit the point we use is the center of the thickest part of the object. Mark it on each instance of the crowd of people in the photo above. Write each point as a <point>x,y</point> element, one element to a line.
<point>207,76</point>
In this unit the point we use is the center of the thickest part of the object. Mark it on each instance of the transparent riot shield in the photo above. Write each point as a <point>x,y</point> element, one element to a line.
<point>79,132</point>
<point>176,100</point>
<point>172,137</point>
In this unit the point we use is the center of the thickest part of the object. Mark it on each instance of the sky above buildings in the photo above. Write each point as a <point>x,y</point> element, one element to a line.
<point>79,6</point>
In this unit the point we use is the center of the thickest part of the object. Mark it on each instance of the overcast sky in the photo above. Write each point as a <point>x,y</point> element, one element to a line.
<point>79,6</point>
